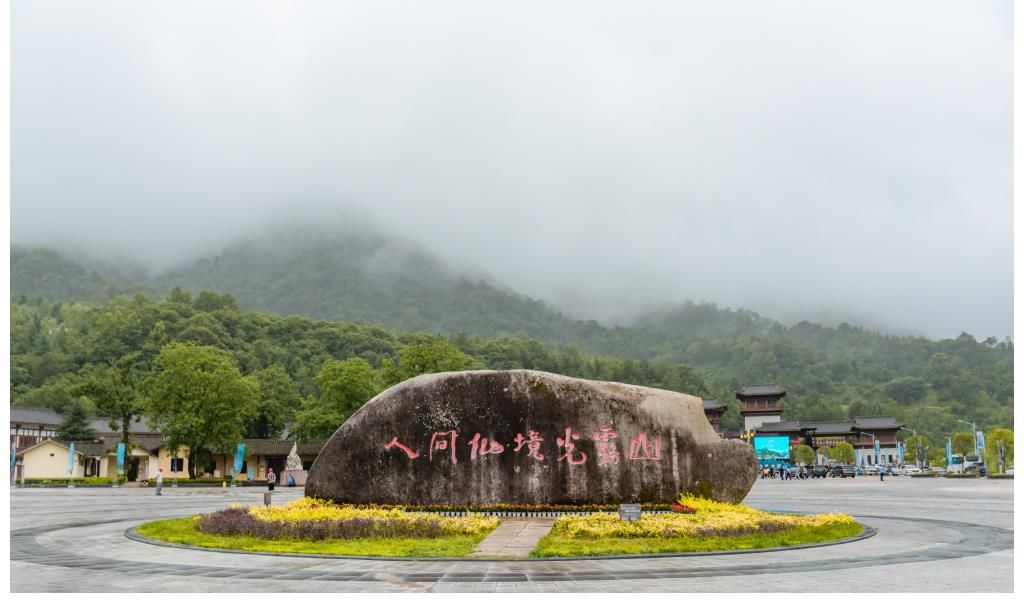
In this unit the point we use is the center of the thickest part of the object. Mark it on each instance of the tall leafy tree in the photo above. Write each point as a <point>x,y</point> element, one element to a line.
<point>278,402</point>
<point>75,426</point>
<point>113,389</point>
<point>963,442</point>
<point>197,397</point>
<point>422,358</point>
<point>804,454</point>
<point>843,452</point>
<point>345,386</point>
<point>992,439</point>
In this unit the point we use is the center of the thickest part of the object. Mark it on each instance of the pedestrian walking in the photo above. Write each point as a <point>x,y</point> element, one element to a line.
<point>271,479</point>
<point>881,473</point>
<point>159,481</point>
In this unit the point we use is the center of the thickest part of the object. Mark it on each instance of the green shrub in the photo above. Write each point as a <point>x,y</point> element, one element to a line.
<point>65,480</point>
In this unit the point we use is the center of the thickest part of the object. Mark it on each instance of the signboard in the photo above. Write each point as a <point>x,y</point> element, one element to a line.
<point>771,449</point>
<point>828,441</point>
<point>629,512</point>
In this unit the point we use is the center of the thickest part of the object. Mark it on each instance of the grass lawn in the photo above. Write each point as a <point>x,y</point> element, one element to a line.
<point>184,531</point>
<point>554,545</point>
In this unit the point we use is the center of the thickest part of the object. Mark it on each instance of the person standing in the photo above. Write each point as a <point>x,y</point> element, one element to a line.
<point>881,473</point>
<point>271,479</point>
<point>159,481</point>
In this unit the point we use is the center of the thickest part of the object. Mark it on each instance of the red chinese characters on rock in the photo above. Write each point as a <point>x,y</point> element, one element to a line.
<point>483,446</point>
<point>641,449</point>
<point>441,441</point>
<point>606,451</point>
<point>569,446</point>
<point>394,443</point>
<point>532,442</point>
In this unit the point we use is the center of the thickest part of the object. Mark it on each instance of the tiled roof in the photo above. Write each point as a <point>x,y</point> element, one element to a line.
<point>264,446</point>
<point>714,405</point>
<point>781,426</point>
<point>147,442</point>
<point>88,448</point>
<point>880,422</point>
<point>761,390</point>
<point>49,417</point>
<point>822,428</point>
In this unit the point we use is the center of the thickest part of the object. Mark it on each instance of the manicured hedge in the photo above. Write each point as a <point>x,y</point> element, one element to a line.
<point>65,480</point>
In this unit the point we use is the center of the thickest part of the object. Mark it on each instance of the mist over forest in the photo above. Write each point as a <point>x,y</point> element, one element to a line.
<point>833,162</point>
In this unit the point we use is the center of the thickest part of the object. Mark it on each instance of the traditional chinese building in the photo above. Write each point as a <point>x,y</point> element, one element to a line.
<point>762,404</point>
<point>713,410</point>
<point>861,433</point>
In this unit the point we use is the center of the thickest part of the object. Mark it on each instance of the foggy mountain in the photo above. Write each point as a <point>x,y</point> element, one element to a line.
<point>829,161</point>
<point>367,277</point>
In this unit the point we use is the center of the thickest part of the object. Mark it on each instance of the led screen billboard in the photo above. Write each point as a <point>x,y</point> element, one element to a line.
<point>771,449</point>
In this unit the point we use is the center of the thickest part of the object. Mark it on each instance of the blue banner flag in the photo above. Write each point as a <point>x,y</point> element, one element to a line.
<point>120,457</point>
<point>981,445</point>
<point>239,457</point>
<point>878,451</point>
<point>899,451</point>
<point>71,459</point>
<point>949,451</point>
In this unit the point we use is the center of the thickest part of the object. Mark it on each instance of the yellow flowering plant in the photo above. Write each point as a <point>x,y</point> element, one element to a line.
<point>314,510</point>
<point>710,519</point>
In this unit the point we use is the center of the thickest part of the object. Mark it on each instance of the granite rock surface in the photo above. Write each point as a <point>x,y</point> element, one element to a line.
<point>522,436</point>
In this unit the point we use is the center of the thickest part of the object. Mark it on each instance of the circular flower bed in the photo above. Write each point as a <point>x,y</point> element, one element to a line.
<point>311,519</point>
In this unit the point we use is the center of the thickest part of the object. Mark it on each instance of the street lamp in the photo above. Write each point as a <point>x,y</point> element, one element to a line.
<point>917,444</point>
<point>873,440</point>
<point>974,431</point>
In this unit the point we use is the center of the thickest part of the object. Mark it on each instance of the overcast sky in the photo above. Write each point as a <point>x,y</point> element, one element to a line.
<point>819,159</point>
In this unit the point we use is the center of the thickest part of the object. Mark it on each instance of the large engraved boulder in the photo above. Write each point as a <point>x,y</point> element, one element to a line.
<point>522,436</point>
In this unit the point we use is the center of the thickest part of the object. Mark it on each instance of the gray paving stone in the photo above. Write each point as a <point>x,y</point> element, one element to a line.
<point>65,539</point>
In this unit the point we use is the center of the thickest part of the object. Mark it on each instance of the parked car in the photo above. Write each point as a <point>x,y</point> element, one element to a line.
<point>938,469</point>
<point>910,469</point>
<point>844,470</point>
<point>819,471</point>
<point>868,470</point>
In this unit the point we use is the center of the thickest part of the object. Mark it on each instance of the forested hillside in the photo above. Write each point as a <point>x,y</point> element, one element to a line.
<point>831,373</point>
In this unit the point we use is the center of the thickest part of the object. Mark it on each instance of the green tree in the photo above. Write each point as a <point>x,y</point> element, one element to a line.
<point>825,451</point>
<point>75,426</point>
<point>804,454</point>
<point>114,391</point>
<point>992,438</point>
<point>906,390</point>
<point>197,397</point>
<point>963,442</point>
<point>278,401</point>
<point>422,358</point>
<point>912,444</point>
<point>844,453</point>
<point>937,456</point>
<point>345,386</point>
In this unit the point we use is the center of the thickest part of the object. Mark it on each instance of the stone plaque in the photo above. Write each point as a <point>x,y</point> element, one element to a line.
<point>629,512</point>
<point>521,436</point>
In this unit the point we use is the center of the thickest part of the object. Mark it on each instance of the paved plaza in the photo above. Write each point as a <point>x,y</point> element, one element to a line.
<point>933,535</point>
